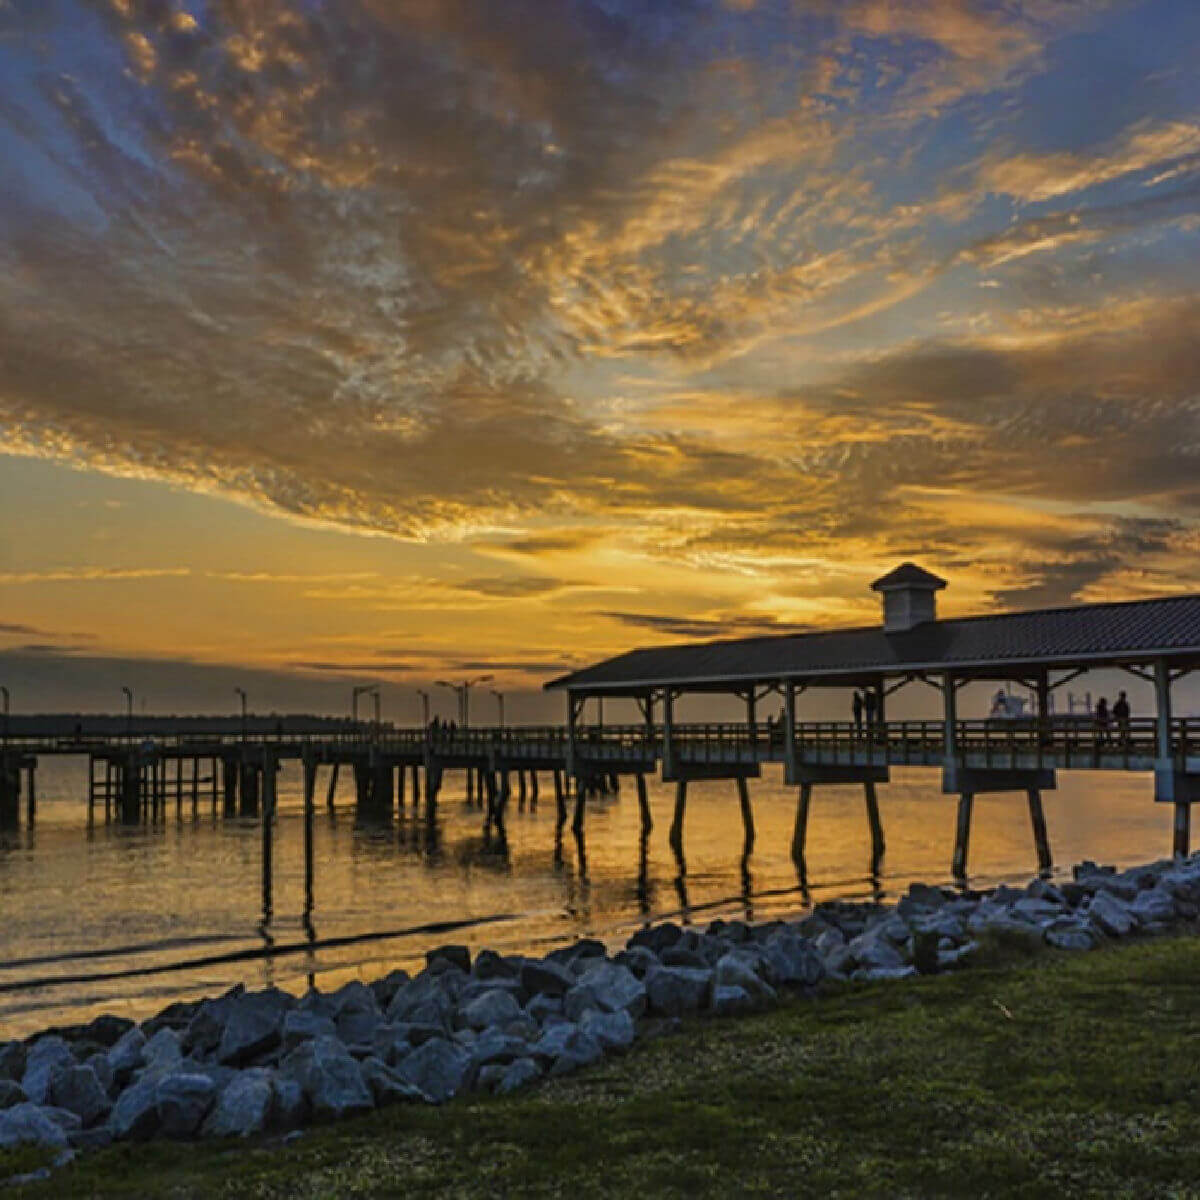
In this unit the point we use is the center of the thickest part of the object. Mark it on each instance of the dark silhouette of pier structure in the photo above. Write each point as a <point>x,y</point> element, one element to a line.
<point>139,771</point>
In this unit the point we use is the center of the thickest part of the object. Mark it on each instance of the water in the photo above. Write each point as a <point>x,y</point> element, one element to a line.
<point>127,920</point>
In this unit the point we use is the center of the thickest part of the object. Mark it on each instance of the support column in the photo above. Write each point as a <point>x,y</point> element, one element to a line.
<point>800,830</point>
<point>644,804</point>
<point>962,835</point>
<point>333,780</point>
<point>10,794</point>
<point>560,800</point>
<point>268,773</point>
<point>131,790</point>
<point>520,789</point>
<point>310,793</point>
<point>251,787</point>
<point>876,825</point>
<point>1183,826</point>
<point>401,772</point>
<point>491,799</point>
<point>31,794</point>
<point>668,753</point>
<point>747,814</point>
<point>580,794</point>
<point>179,787</point>
<point>195,785</point>
<point>533,791</point>
<point>676,835</point>
<point>1037,819</point>
<point>752,717</point>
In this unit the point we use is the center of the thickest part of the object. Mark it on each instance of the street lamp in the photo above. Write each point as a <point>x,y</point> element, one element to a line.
<point>455,689</point>
<point>464,695</point>
<point>500,704</point>
<point>242,692</point>
<point>424,707</point>
<point>128,709</point>
<point>364,689</point>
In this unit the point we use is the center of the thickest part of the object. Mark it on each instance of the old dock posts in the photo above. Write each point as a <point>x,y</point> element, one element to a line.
<point>1173,784</point>
<point>866,775</point>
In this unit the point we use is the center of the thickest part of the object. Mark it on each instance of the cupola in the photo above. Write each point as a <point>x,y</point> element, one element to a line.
<point>909,597</point>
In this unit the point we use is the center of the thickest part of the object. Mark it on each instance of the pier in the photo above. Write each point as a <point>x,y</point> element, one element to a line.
<point>144,770</point>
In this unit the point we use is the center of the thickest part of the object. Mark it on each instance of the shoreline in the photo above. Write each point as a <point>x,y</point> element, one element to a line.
<point>247,1064</point>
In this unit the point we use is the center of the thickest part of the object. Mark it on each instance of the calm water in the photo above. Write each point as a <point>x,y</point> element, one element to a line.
<point>126,920</point>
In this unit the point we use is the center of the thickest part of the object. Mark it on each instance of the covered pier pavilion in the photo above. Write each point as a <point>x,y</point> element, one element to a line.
<point>1156,641</point>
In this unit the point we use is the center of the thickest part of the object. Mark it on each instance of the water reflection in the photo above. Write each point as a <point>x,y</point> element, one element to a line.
<point>313,897</point>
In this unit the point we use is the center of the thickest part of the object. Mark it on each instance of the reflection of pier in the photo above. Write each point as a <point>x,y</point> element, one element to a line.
<point>138,774</point>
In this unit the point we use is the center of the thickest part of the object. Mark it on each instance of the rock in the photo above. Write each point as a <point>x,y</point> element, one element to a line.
<point>422,1001</point>
<point>11,1093</point>
<point>1041,889</point>
<point>175,1016</point>
<point>875,953</point>
<point>1153,905</point>
<point>683,956</point>
<point>884,974</point>
<point>1037,910</point>
<point>497,1047</point>
<point>1069,937</point>
<point>657,938</point>
<point>79,1090</point>
<point>542,1007</point>
<point>925,951</point>
<point>127,1055</point>
<point>354,996</point>
<point>829,940</point>
<point>163,1051</point>
<point>948,960</point>
<point>41,1059</point>
<point>1110,915</point>
<point>925,896</point>
<point>613,1030</point>
<point>546,978</point>
<point>204,1030</point>
<point>1118,886</point>
<point>637,959</point>
<point>358,1025</point>
<point>27,1123</point>
<point>244,1106</point>
<point>579,1049</point>
<point>451,956</point>
<point>107,1030</point>
<point>12,1061</point>
<point>522,1073</point>
<point>733,971</point>
<point>183,1102</point>
<point>489,965</point>
<point>289,1106</point>
<point>439,1068</point>
<point>675,991</point>
<point>730,1000</point>
<point>253,1026</point>
<point>134,1117</point>
<point>331,1079</point>
<point>385,989</point>
<point>794,960</point>
<point>387,1086</point>
<point>610,987</point>
<point>302,1026</point>
<point>104,1073</point>
<point>492,1008</point>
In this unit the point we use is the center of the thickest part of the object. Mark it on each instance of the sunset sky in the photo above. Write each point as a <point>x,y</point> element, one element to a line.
<point>414,339</point>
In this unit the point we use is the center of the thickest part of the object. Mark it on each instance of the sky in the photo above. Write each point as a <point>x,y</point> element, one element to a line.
<point>405,340</point>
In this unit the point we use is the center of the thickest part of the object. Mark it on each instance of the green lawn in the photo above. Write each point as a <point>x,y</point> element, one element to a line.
<point>1046,1075</point>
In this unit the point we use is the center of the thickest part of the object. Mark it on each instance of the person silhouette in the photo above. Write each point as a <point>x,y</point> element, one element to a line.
<point>1102,721</point>
<point>856,706</point>
<point>870,706</point>
<point>1120,712</point>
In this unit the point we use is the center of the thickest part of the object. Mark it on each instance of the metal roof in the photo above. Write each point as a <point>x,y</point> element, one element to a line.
<point>1090,634</point>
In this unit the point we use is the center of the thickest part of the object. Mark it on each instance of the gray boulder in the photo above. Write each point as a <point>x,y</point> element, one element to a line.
<point>875,953</point>
<point>78,1090</point>
<point>613,1030</point>
<point>162,1052</point>
<point>27,1123</point>
<point>183,1102</point>
<point>449,956</point>
<point>1154,905</point>
<point>244,1106</point>
<point>134,1117</point>
<point>734,971</point>
<point>11,1093</point>
<point>522,1073</point>
<point>676,991</point>
<point>884,974</point>
<point>127,1055</point>
<point>104,1073</point>
<point>332,1080</point>
<point>1065,935</point>
<point>657,938</point>
<point>1110,914</point>
<point>541,1008</point>
<point>387,1086</point>
<point>579,1049</point>
<point>614,988</point>
<point>494,1046</point>
<point>41,1060</point>
<point>491,1009</point>
<point>490,965</point>
<point>638,959</point>
<point>439,1068</point>
<point>289,1106</point>
<point>302,1026</point>
<point>12,1061</point>
<point>546,978</point>
<point>253,1026</point>
<point>422,1000</point>
<point>729,1000</point>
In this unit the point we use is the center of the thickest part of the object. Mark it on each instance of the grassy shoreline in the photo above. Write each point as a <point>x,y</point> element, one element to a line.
<point>1033,1073</point>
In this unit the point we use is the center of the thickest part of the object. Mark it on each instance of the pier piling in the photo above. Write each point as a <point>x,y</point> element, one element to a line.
<point>962,835</point>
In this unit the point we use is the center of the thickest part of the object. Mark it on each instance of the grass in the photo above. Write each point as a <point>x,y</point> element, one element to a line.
<point>1030,1075</point>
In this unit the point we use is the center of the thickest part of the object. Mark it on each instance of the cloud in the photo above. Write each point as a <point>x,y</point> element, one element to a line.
<point>695,627</point>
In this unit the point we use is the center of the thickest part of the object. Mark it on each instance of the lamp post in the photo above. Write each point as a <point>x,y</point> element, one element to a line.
<point>4,692</point>
<point>455,689</point>
<point>499,703</point>
<point>424,707</point>
<point>128,710</point>
<point>463,690</point>
<point>242,692</point>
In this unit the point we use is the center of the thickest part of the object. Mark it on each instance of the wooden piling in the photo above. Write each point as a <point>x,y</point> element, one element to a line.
<point>31,794</point>
<point>521,791</point>
<point>560,801</point>
<point>580,800</point>
<point>962,835</point>
<point>333,778</point>
<point>1183,824</point>
<point>1037,819</point>
<point>533,791</point>
<point>267,822</point>
<point>310,792</point>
